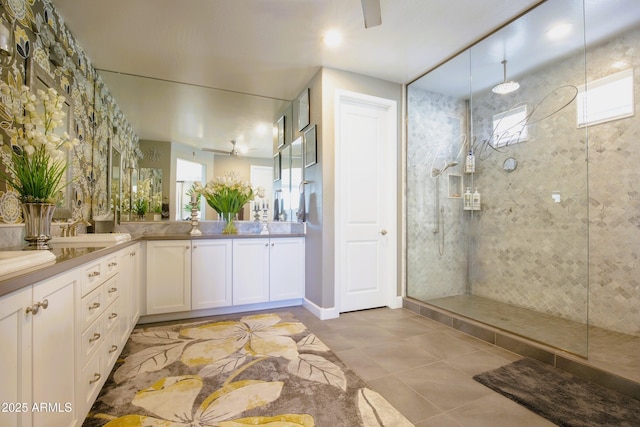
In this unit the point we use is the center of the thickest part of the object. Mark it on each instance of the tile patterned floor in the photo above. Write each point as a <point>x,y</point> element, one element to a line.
<point>422,367</point>
<point>610,351</point>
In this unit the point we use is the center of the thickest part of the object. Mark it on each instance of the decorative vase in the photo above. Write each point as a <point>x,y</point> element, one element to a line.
<point>229,218</point>
<point>37,224</point>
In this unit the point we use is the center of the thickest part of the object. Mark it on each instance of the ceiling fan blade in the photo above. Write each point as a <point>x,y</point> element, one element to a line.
<point>371,12</point>
<point>213,150</point>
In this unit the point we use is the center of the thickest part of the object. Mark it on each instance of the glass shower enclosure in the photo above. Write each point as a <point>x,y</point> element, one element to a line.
<point>498,165</point>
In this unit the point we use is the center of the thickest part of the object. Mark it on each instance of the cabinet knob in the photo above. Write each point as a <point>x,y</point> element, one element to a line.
<point>195,247</point>
<point>113,348</point>
<point>383,232</point>
<point>186,247</point>
<point>95,337</point>
<point>94,306</point>
<point>113,315</point>
<point>273,244</point>
<point>96,378</point>
<point>112,290</point>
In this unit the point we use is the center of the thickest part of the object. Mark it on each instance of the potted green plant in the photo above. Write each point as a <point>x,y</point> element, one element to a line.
<point>35,159</point>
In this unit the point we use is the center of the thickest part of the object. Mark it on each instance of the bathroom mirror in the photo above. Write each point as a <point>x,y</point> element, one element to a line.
<point>190,118</point>
<point>115,181</point>
<point>70,197</point>
<point>152,177</point>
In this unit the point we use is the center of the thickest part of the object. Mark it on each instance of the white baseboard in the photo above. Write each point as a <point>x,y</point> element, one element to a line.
<point>321,312</point>
<point>153,318</point>
<point>396,302</point>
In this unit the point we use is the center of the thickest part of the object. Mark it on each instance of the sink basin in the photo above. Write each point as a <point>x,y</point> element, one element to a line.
<point>100,239</point>
<point>13,261</point>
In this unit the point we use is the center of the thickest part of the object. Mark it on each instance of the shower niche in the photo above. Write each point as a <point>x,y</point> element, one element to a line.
<point>455,186</point>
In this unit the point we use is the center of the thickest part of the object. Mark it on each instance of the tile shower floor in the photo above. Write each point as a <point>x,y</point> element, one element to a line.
<point>422,367</point>
<point>610,351</point>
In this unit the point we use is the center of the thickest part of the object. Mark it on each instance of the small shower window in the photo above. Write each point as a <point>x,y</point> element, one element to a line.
<point>606,99</point>
<point>510,127</point>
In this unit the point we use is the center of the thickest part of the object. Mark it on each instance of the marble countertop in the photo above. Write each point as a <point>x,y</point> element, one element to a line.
<point>71,256</point>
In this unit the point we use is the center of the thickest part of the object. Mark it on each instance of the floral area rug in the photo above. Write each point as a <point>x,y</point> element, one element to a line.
<point>257,370</point>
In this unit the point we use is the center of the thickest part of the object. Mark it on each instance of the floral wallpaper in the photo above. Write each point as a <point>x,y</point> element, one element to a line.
<point>45,49</point>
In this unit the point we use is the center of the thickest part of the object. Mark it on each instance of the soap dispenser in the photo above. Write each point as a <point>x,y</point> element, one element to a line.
<point>470,163</point>
<point>467,200</point>
<point>475,201</point>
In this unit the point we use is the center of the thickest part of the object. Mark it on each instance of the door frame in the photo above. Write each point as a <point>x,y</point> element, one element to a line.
<point>390,107</point>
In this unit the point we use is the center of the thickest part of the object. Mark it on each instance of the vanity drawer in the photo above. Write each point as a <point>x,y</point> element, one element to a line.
<point>91,307</point>
<point>91,380</point>
<point>92,276</point>
<point>92,339</point>
<point>111,265</point>
<point>112,349</point>
<point>111,289</point>
<point>112,316</point>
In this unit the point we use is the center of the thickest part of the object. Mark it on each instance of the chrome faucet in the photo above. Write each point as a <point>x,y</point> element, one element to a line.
<point>71,229</point>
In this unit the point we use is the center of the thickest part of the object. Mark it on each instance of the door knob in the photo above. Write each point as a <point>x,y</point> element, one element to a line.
<point>383,232</point>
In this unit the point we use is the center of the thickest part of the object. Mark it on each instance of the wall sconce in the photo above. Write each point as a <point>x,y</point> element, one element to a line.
<point>6,41</point>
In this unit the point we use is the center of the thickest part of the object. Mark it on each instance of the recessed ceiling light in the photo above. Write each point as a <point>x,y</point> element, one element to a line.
<point>261,129</point>
<point>332,38</point>
<point>559,31</point>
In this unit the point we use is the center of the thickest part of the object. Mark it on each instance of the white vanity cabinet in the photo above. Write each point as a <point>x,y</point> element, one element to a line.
<point>168,276</point>
<point>211,271</point>
<point>200,274</point>
<point>103,307</point>
<point>250,271</point>
<point>38,329</point>
<point>268,269</point>
<point>286,268</point>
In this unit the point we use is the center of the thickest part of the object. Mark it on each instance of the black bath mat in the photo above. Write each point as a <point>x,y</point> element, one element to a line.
<point>561,397</point>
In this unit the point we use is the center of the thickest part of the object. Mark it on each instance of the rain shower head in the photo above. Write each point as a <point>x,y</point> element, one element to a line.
<point>506,86</point>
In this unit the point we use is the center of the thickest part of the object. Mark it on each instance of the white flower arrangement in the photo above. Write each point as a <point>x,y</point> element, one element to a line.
<point>37,154</point>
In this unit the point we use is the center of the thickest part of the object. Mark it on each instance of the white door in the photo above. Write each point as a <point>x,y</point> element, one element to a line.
<point>366,144</point>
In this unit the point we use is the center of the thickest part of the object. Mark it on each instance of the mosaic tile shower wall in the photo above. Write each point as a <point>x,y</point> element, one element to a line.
<point>435,123</point>
<point>574,257</point>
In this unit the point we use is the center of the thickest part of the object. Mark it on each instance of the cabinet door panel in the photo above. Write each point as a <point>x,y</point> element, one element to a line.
<point>286,273</point>
<point>54,356</point>
<point>168,276</point>
<point>250,271</point>
<point>15,356</point>
<point>211,264</point>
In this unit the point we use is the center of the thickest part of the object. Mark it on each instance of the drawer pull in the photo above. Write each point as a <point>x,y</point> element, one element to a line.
<point>113,316</point>
<point>112,290</point>
<point>36,307</point>
<point>95,337</point>
<point>132,254</point>
<point>94,274</point>
<point>113,348</point>
<point>112,264</point>
<point>94,306</point>
<point>96,378</point>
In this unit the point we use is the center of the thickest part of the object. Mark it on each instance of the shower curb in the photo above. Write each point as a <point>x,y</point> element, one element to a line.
<point>522,346</point>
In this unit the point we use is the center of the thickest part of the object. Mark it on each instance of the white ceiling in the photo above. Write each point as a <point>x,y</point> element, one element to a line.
<point>270,48</point>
